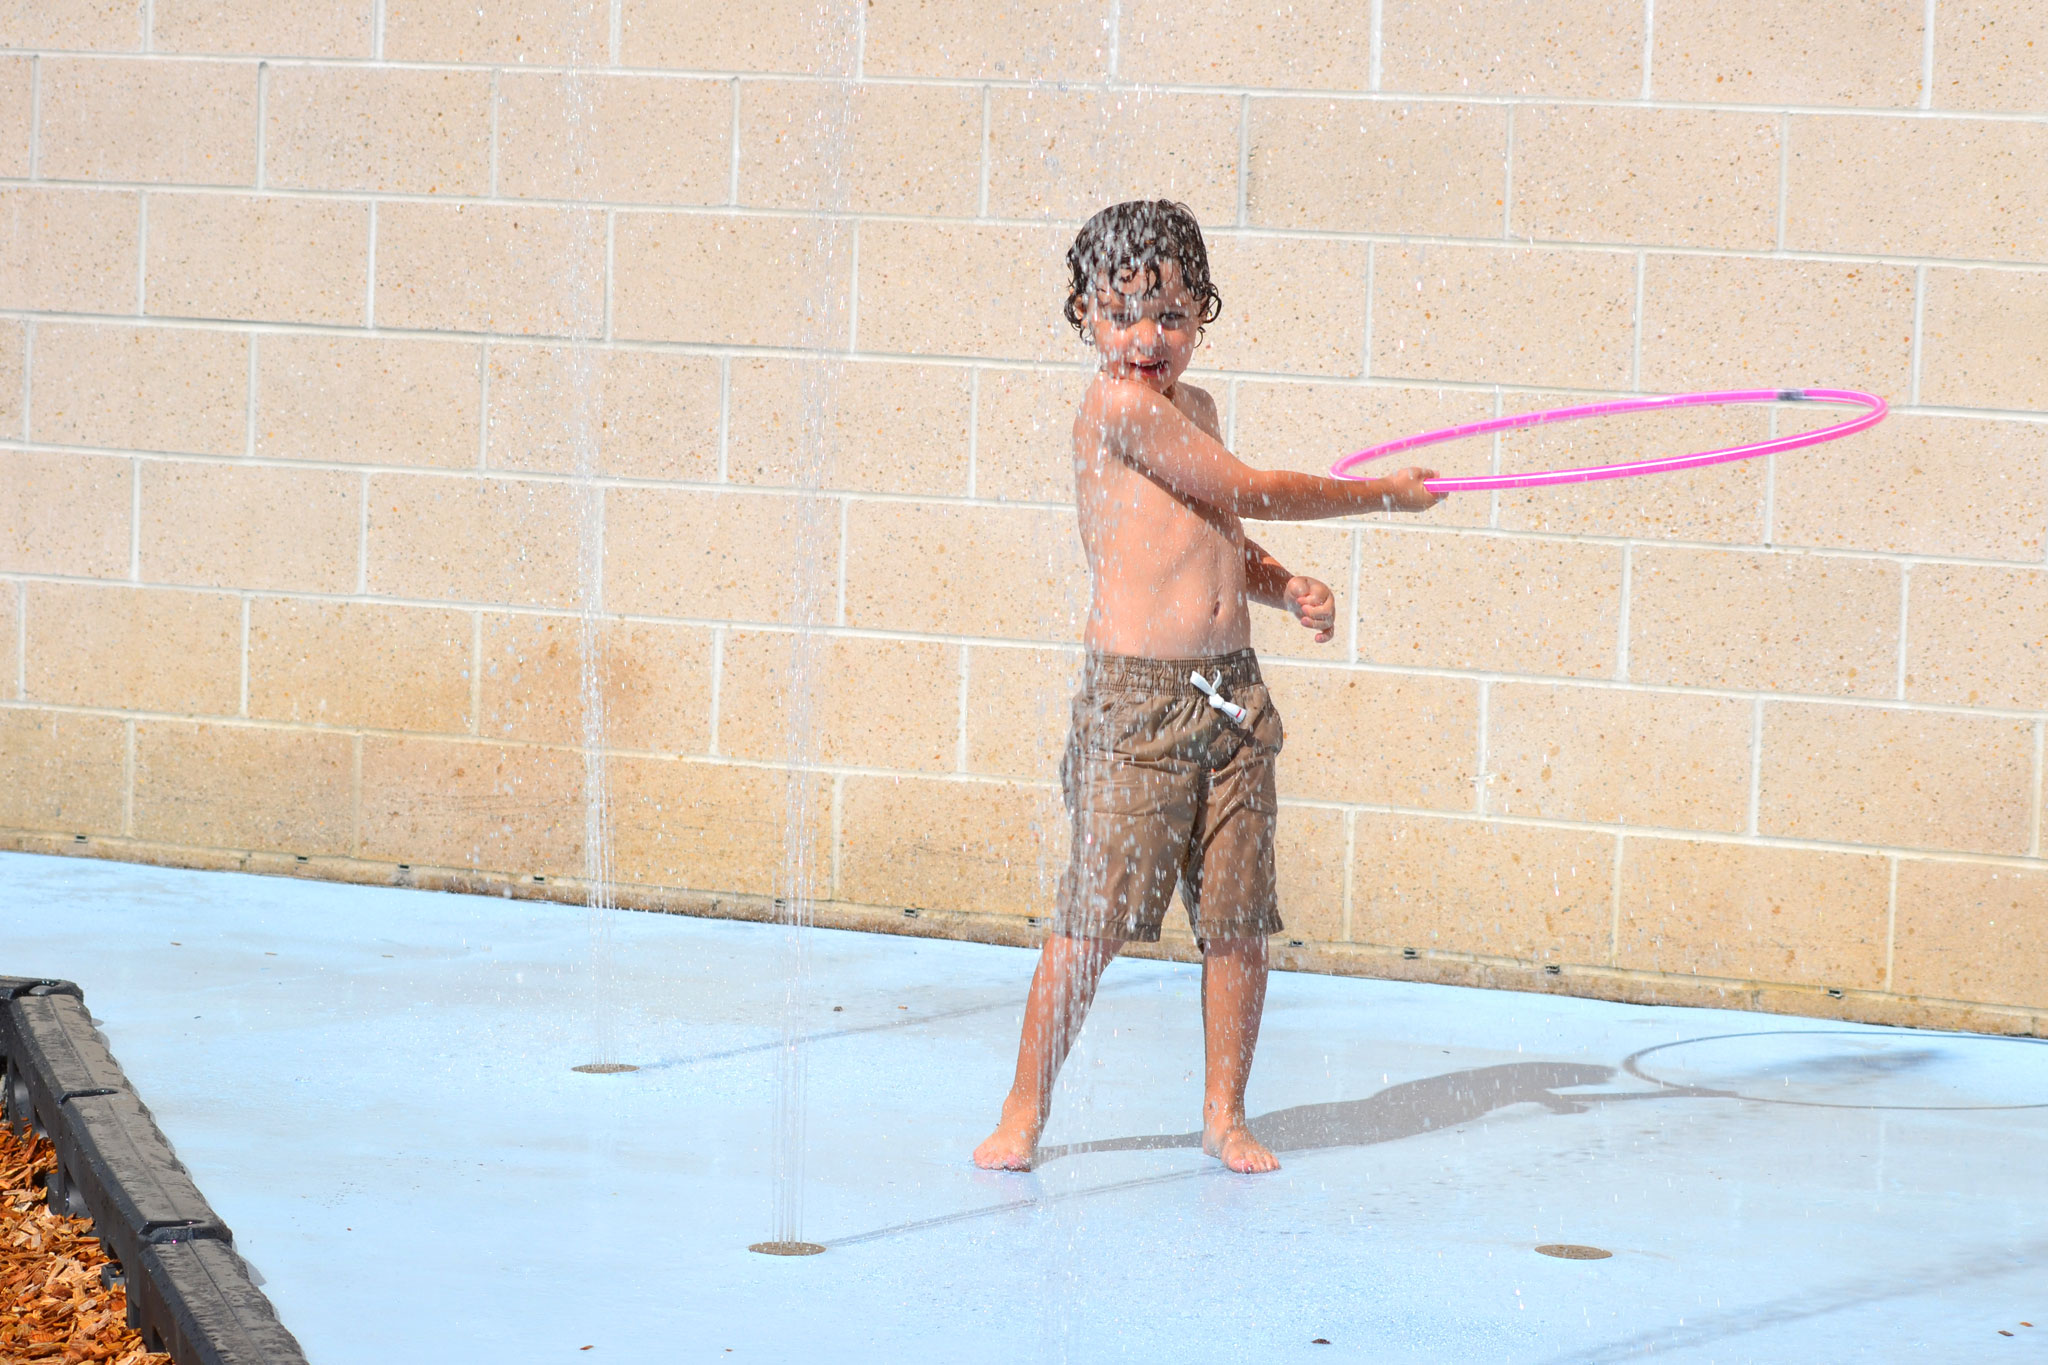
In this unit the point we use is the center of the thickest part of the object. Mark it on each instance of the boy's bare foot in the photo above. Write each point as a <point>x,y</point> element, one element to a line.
<point>1011,1145</point>
<point>1236,1148</point>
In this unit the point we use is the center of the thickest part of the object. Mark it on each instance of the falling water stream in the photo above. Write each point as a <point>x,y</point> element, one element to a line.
<point>824,251</point>
<point>585,321</point>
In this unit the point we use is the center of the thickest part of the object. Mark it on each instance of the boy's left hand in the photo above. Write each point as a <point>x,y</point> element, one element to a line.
<point>1314,605</point>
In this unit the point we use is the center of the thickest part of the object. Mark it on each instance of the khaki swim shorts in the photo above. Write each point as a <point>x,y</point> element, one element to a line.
<point>1166,790</point>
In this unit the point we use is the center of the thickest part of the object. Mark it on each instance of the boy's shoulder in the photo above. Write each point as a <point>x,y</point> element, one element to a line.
<point>1192,398</point>
<point>1199,406</point>
<point>1106,396</point>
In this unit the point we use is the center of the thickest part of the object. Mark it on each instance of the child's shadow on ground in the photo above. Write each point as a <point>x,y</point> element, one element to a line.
<point>1399,1111</point>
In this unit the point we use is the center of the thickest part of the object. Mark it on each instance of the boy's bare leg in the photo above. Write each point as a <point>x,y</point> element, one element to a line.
<point>1061,991</point>
<point>1233,998</point>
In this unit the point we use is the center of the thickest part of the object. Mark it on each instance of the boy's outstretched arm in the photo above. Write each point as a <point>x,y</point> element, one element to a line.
<point>1309,600</point>
<point>1149,431</point>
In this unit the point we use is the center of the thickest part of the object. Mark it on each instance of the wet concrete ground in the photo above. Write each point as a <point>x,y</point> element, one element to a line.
<point>374,1088</point>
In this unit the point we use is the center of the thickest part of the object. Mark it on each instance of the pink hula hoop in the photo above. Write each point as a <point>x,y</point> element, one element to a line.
<point>1876,410</point>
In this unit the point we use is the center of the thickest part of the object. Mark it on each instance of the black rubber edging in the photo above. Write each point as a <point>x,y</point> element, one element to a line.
<point>189,1292</point>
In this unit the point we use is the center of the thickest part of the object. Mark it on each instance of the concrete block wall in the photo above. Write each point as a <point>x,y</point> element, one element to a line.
<point>303,304</point>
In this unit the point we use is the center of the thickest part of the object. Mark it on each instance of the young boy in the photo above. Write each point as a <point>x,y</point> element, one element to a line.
<point>1165,787</point>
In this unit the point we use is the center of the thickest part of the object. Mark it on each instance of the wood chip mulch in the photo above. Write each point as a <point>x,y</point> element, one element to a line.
<point>52,1307</point>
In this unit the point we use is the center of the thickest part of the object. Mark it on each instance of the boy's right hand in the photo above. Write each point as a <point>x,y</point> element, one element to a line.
<point>1403,491</point>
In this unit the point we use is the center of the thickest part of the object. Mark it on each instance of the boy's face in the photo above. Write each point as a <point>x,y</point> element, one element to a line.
<point>1142,330</point>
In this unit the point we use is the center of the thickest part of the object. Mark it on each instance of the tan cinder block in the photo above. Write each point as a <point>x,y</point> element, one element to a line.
<point>244,787</point>
<point>1990,54</point>
<point>10,639</point>
<point>959,845</point>
<point>1055,154</point>
<point>1769,621</point>
<point>1894,186</point>
<point>906,564</point>
<point>64,514</point>
<point>103,25</point>
<point>1513,605</point>
<point>297,28</point>
<point>360,663</point>
<point>62,771</point>
<point>1289,305</point>
<point>17,114</point>
<point>1507,314</point>
<point>1714,322</point>
<point>1614,757</point>
<point>720,556</point>
<point>70,251</point>
<point>1864,52</point>
<point>13,377</point>
<point>1970,931</point>
<point>1024,434</point>
<point>1584,48</point>
<point>138,649</point>
<point>468,539</point>
<point>447,803</point>
<point>1309,848</point>
<point>1019,710</point>
<point>232,526</point>
<point>1723,502</point>
<point>874,148</point>
<point>947,289</point>
<point>540,31</point>
<point>796,36</point>
<point>1245,42</point>
<point>870,427</point>
<point>1914,779</point>
<point>655,681</point>
<point>1475,886</point>
<point>645,414</point>
<point>141,388</point>
<point>1018,39</point>
<point>1359,166</point>
<point>1425,736</point>
<point>1977,636</point>
<point>1308,426</point>
<point>1794,915</point>
<point>188,123</point>
<point>258,257</point>
<point>487,268</point>
<point>1919,485</point>
<point>1985,340</point>
<point>1306,551</point>
<point>870,703</point>
<point>378,128</point>
<point>638,139</point>
<point>368,400</point>
<point>1670,177</point>
<point>732,281</point>
<point>714,826</point>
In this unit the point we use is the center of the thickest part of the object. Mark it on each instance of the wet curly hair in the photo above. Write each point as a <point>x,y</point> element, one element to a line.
<point>1139,235</point>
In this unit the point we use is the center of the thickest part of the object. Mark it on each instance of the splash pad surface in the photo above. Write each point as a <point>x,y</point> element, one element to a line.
<point>385,1112</point>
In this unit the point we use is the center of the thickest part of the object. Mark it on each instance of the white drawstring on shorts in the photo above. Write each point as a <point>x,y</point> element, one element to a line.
<point>1228,708</point>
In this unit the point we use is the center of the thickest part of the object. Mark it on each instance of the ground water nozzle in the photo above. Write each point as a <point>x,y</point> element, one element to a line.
<point>1228,708</point>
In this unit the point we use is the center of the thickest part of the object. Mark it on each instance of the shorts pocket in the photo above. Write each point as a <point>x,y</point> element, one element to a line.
<point>1109,784</point>
<point>1268,734</point>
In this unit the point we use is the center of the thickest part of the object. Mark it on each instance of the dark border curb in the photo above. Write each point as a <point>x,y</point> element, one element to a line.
<point>189,1293</point>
